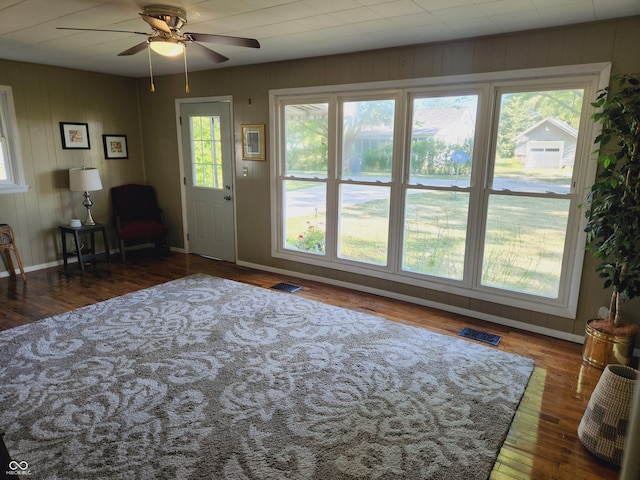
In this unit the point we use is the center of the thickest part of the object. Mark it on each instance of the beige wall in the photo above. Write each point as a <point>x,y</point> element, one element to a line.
<point>77,96</point>
<point>45,96</point>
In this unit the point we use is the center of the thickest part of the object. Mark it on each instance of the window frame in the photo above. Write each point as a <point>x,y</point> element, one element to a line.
<point>10,144</point>
<point>480,141</point>
<point>594,76</point>
<point>278,142</point>
<point>583,175</point>
<point>391,184</point>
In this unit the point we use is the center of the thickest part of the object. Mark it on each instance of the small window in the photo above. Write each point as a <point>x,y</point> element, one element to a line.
<point>11,173</point>
<point>206,147</point>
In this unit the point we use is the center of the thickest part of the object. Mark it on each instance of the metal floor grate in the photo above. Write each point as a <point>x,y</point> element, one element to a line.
<point>480,336</point>
<point>286,287</point>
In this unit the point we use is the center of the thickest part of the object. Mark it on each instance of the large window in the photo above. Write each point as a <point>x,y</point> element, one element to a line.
<point>529,199</point>
<point>304,180</point>
<point>364,179</point>
<point>472,187</point>
<point>437,193</point>
<point>11,174</point>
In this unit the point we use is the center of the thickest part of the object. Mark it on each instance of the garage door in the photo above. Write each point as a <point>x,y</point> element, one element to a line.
<point>544,154</point>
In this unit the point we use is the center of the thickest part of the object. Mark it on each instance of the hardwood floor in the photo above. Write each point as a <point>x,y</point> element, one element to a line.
<point>542,442</point>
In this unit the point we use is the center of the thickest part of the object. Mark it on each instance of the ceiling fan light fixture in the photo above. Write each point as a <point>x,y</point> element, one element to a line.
<point>168,47</point>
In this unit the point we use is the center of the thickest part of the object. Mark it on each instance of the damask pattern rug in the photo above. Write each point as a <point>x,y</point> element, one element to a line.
<point>208,378</point>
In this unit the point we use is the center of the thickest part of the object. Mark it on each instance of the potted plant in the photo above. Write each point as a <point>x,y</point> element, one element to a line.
<point>613,212</point>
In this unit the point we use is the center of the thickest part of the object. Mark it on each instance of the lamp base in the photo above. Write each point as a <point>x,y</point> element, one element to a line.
<point>89,220</point>
<point>88,203</point>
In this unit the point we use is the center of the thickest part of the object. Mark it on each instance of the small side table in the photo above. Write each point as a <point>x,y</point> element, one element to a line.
<point>91,254</point>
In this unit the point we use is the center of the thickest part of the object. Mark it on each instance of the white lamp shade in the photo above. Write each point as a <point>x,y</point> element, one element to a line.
<point>84,180</point>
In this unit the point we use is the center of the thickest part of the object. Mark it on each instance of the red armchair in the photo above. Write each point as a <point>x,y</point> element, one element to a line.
<point>138,217</point>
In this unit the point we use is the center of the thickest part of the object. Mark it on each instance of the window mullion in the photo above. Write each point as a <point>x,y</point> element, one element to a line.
<point>397,207</point>
<point>480,180</point>
<point>332,176</point>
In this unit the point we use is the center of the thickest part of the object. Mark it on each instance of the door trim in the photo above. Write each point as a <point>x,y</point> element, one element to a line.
<point>183,192</point>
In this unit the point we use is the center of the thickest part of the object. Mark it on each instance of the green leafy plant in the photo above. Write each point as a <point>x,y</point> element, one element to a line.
<point>312,239</point>
<point>613,228</point>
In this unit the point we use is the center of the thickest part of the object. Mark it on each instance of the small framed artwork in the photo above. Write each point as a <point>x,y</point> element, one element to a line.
<point>115,146</point>
<point>253,142</point>
<point>75,135</point>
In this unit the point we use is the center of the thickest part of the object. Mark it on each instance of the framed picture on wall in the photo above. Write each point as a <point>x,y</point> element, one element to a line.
<point>115,146</point>
<point>75,135</point>
<point>253,142</point>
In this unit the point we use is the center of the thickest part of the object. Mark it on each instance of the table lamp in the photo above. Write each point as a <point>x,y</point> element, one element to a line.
<point>85,180</point>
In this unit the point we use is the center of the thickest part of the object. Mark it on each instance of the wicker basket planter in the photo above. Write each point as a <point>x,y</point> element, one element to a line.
<point>603,428</point>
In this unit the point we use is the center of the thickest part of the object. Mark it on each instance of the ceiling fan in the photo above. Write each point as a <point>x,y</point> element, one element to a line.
<point>166,37</point>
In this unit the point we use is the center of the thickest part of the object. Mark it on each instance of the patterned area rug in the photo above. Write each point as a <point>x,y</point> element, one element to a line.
<point>208,378</point>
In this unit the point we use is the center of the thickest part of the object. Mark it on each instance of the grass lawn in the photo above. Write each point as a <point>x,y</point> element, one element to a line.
<point>524,241</point>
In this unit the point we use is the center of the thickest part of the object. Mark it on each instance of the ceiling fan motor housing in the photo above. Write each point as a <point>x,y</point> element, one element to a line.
<point>175,17</point>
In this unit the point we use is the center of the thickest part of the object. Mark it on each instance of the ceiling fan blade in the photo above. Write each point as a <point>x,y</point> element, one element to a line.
<point>133,50</point>
<point>224,39</point>
<point>156,23</point>
<point>214,56</point>
<point>100,30</point>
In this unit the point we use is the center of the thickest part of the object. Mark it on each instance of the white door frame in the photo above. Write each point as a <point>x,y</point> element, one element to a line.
<point>183,190</point>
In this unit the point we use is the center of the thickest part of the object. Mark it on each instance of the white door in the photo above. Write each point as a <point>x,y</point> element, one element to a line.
<point>207,144</point>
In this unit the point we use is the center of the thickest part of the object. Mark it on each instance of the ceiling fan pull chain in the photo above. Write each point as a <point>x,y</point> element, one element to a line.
<point>153,87</point>
<point>186,75</point>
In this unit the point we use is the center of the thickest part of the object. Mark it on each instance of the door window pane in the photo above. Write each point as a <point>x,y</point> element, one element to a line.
<point>524,244</point>
<point>206,151</point>
<point>435,229</point>
<point>305,216</point>
<point>363,223</point>
<point>536,140</point>
<point>442,132</point>
<point>306,146</point>
<point>367,140</point>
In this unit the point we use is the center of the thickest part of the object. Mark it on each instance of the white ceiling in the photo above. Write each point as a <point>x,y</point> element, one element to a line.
<point>286,29</point>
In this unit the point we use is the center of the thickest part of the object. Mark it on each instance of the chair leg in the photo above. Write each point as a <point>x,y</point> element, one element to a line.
<point>9,261</point>
<point>15,251</point>
<point>122,257</point>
